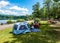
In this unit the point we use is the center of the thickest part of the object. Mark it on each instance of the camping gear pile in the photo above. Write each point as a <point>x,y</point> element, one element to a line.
<point>24,27</point>
<point>52,22</point>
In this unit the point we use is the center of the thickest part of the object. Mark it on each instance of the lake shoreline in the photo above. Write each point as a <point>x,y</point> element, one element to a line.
<point>5,21</point>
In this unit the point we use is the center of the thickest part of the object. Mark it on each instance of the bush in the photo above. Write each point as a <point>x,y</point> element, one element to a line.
<point>1,23</point>
<point>30,23</point>
<point>9,21</point>
<point>37,19</point>
<point>20,20</point>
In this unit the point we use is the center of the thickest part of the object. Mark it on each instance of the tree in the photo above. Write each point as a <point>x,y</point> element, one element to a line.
<point>43,12</point>
<point>56,8</point>
<point>36,10</point>
<point>47,4</point>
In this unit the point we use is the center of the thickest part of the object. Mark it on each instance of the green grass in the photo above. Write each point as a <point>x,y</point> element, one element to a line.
<point>6,36</point>
<point>44,22</point>
<point>41,22</point>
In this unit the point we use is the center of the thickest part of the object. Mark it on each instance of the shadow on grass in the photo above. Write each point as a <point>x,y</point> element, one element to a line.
<point>38,37</point>
<point>31,38</point>
<point>54,34</point>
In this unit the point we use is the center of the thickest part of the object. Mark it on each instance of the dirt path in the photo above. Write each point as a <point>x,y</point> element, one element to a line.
<point>56,25</point>
<point>6,26</point>
<point>9,25</point>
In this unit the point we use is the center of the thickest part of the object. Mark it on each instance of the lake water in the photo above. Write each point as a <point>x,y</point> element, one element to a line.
<point>5,21</point>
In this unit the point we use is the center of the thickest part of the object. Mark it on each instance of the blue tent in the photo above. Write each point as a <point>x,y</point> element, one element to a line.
<point>21,27</point>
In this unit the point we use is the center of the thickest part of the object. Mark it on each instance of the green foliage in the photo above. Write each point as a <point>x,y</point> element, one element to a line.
<point>49,10</point>
<point>37,19</point>
<point>56,0</point>
<point>12,17</point>
<point>9,21</point>
<point>55,10</point>
<point>47,4</point>
<point>30,17</point>
<point>20,20</point>
<point>36,10</point>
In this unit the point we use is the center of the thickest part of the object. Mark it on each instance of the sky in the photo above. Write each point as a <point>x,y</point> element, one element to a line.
<point>17,7</point>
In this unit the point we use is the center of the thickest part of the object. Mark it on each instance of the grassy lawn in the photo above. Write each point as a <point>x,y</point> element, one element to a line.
<point>6,36</point>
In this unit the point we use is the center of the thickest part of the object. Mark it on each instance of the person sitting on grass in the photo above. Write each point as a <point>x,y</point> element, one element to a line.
<point>35,27</point>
